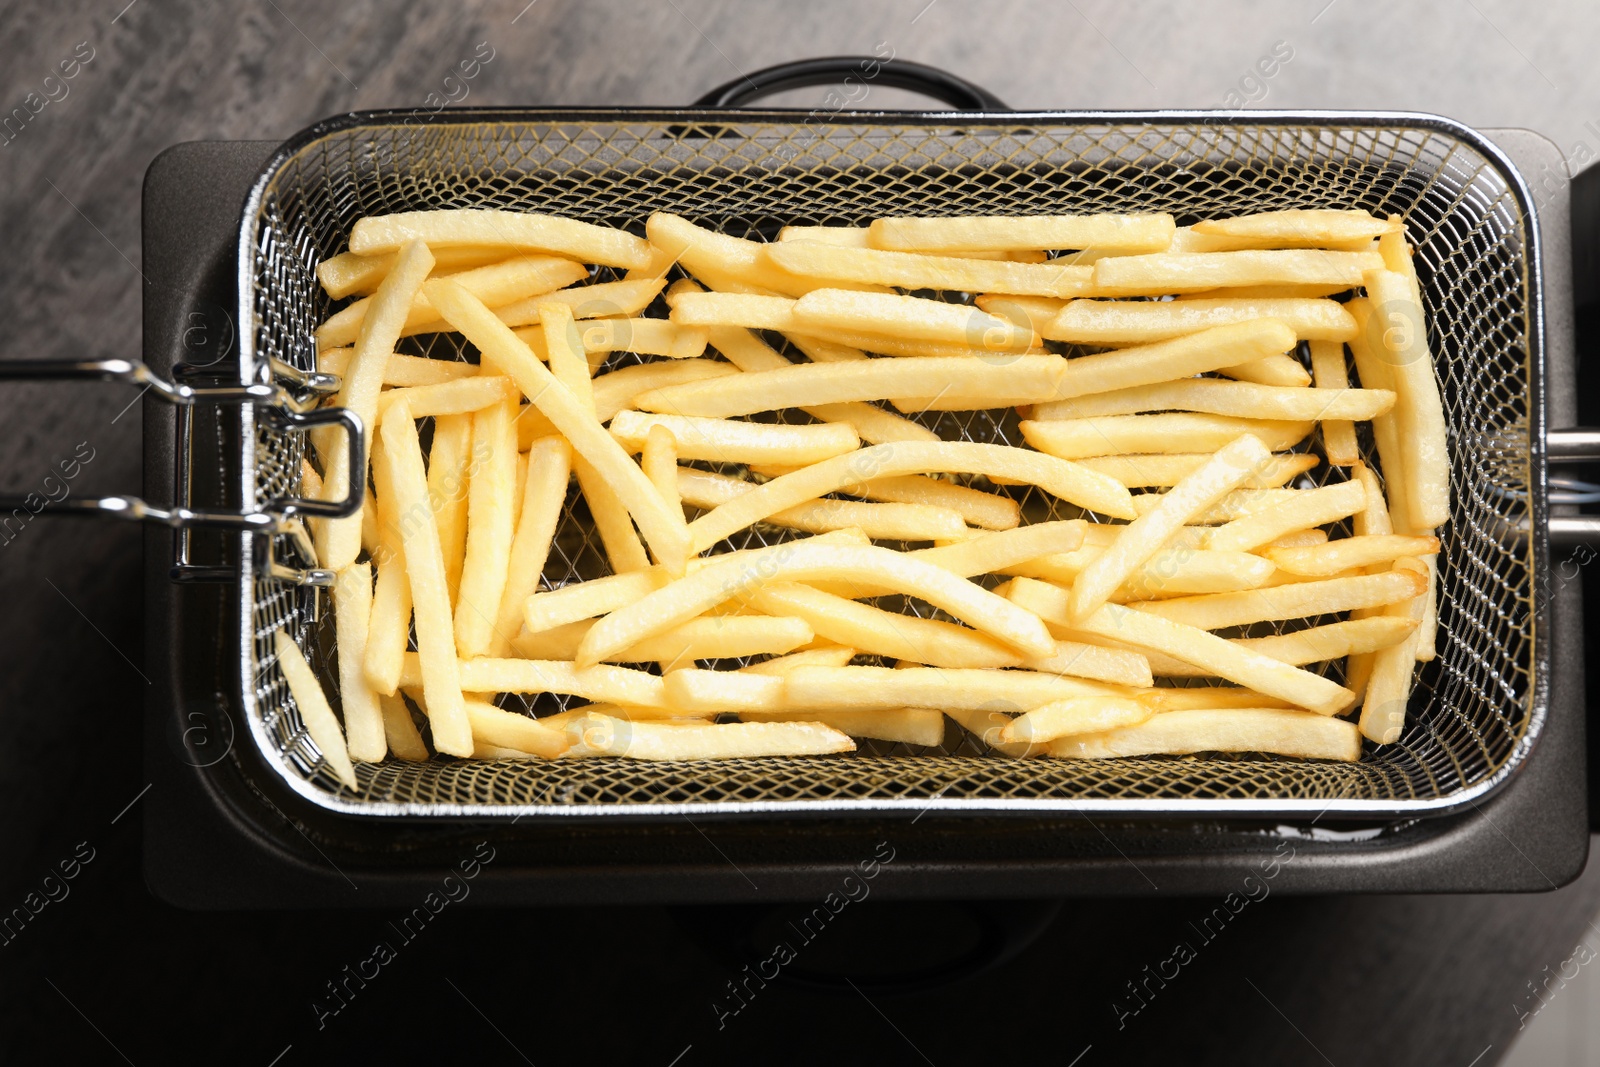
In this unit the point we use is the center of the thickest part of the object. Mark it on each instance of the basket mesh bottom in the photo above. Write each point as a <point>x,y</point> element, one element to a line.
<point>1471,707</point>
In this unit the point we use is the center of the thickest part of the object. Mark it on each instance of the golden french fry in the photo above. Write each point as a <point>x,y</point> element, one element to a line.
<point>1030,312</point>
<point>1063,479</point>
<point>1309,227</point>
<point>1126,233</point>
<point>1173,432</point>
<point>404,371</point>
<point>986,725</point>
<point>1098,322</point>
<point>1317,644</point>
<point>429,595</point>
<point>1096,662</point>
<point>1399,338</point>
<point>604,682</point>
<point>339,540</point>
<point>603,735</point>
<point>1333,557</point>
<point>1215,397</point>
<point>910,726</point>
<point>1144,537</point>
<point>662,529</point>
<point>451,463</point>
<point>1080,715</point>
<point>1383,707</point>
<point>506,729</point>
<point>363,719</point>
<point>1166,470</point>
<point>1207,697</point>
<point>400,732</point>
<point>987,510</point>
<point>1283,371</point>
<point>389,626</point>
<point>843,688</point>
<point>842,236</point>
<point>1237,504</point>
<point>1388,431</point>
<point>314,710</point>
<point>1176,570</point>
<point>659,459</point>
<point>460,397</point>
<point>489,531</point>
<point>907,316</point>
<point>603,300</point>
<point>1003,378</point>
<point>990,553</point>
<point>829,656</point>
<point>1300,600</point>
<point>1178,272</point>
<point>489,227</point>
<point>543,498</point>
<point>712,637</point>
<point>1306,508</point>
<point>1263,292</point>
<point>830,264</point>
<point>624,551</point>
<point>1338,431</point>
<point>729,441</point>
<point>887,522</point>
<point>350,274</point>
<point>1284,733</point>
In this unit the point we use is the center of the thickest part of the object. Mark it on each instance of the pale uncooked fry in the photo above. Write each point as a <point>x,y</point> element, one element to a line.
<point>586,600</point>
<point>1029,312</point>
<point>1207,697</point>
<point>1079,715</point>
<point>832,264</point>
<point>662,529</point>
<point>617,685</point>
<point>1336,556</point>
<point>1097,322</point>
<point>506,729</point>
<point>401,370</point>
<point>616,389</point>
<point>1297,601</point>
<point>1383,706</point>
<point>841,236</point>
<point>911,726</point>
<point>801,561</point>
<point>1306,508</point>
<point>827,656</point>
<point>1284,733</point>
<point>489,531</point>
<point>490,227</point>
<point>1387,431</point>
<point>1125,233</point>
<point>544,497</point>
<point>600,301</point>
<point>314,710</point>
<point>710,637</point>
<point>1265,292</point>
<point>349,274</point>
<point>841,688</point>
<point>818,350</point>
<point>1400,329</point>
<point>659,459</point>
<point>1235,505</point>
<point>1427,632</point>
<point>1314,227</point>
<point>1180,569</point>
<point>1338,432</point>
<point>1318,644</point>
<point>389,626</point>
<point>1373,520</point>
<point>339,540</point>
<point>987,553</point>
<point>882,633</point>
<point>1213,396</point>
<point>1282,371</point>
<point>1096,662</point>
<point>1002,378</point>
<point>987,510</point>
<point>496,285</point>
<point>400,732</point>
<point>907,316</point>
<point>1145,536</point>
<point>716,309</point>
<point>1165,470</point>
<point>702,690</point>
<point>986,724</point>
<point>363,719</point>
<point>602,735</point>
<point>730,441</point>
<point>647,337</point>
<point>1172,432</point>
<point>429,595</point>
<point>892,345</point>
<point>1085,488</point>
<point>1177,272</point>
<point>1162,361</point>
<point>459,397</point>
<point>451,463</point>
<point>724,262</point>
<point>886,522</point>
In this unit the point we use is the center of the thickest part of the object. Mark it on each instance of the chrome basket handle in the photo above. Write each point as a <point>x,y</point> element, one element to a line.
<point>854,70</point>
<point>278,405</point>
<point>1580,444</point>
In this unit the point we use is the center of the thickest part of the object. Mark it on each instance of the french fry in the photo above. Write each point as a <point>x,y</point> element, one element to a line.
<point>544,496</point>
<point>647,337</point>
<point>389,626</point>
<point>1207,698</point>
<point>1309,227</point>
<point>586,600</point>
<point>659,459</point>
<point>1145,536</point>
<point>990,553</point>
<point>363,719</point>
<point>662,530</point>
<point>462,396</point>
<point>1177,570</point>
<point>404,371</point>
<point>1387,430</point>
<point>489,531</point>
<point>987,510</point>
<point>1282,371</point>
<point>1284,733</point>
<point>712,637</point>
<point>1316,644</point>
<point>799,561</point>
<point>1338,431</point>
<point>1304,538</point>
<point>616,389</point>
<point>986,725</point>
<point>314,710</point>
<point>1029,312</point>
<point>451,463</point>
<point>1237,504</point>
<point>1383,707</point>
<point>830,656</point>
<point>1166,470</point>
<point>909,317</point>
<point>888,522</point>
<point>1060,478</point>
<point>350,274</point>
<point>831,264</point>
<point>808,384</point>
<point>1214,397</point>
<point>1334,557</point>
<point>721,261</point>
<point>1176,432</point>
<point>603,735</point>
<point>1262,292</point>
<point>1300,600</point>
<point>1400,337</point>
<point>1126,233</point>
<point>604,300</point>
<point>339,540</point>
<point>1177,272</point>
<point>1306,508</point>
<point>429,595</point>
<point>1079,715</point>
<point>401,733</point>
<point>910,726</point>
<point>603,682</point>
<point>1095,662</point>
<point>1101,322</point>
<point>693,689</point>
<point>506,729</point>
<point>840,236</point>
<point>488,227</point>
<point>730,441</point>
<point>843,688</point>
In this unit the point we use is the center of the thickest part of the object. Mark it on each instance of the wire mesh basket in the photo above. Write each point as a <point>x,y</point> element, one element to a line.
<point>1476,708</point>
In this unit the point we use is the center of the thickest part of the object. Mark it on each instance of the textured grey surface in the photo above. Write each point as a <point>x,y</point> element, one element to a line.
<point>69,225</point>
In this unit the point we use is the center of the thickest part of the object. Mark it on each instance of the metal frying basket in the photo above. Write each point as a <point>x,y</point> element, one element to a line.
<point>1476,710</point>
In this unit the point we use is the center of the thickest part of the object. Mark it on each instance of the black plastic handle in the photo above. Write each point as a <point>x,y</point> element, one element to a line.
<point>868,70</point>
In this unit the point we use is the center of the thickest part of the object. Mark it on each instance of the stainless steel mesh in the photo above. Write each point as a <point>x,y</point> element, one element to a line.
<point>1475,707</point>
